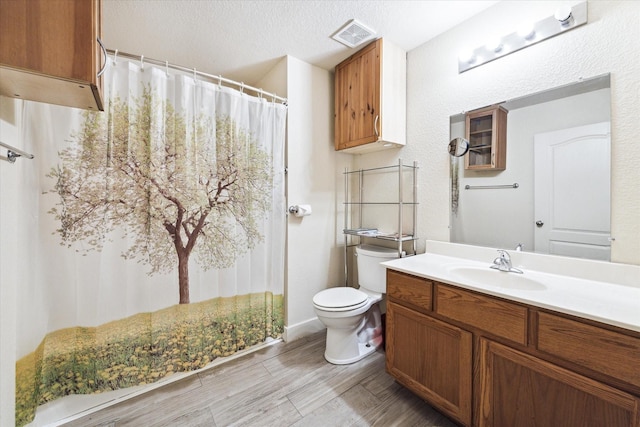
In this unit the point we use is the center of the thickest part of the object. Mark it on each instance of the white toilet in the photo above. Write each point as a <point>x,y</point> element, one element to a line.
<point>352,316</point>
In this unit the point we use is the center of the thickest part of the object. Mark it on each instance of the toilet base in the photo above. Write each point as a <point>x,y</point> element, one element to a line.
<point>349,344</point>
<point>364,349</point>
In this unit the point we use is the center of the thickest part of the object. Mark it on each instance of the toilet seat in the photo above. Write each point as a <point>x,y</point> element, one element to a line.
<point>340,299</point>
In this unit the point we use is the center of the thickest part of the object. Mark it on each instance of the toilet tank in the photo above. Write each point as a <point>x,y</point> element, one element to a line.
<point>371,275</point>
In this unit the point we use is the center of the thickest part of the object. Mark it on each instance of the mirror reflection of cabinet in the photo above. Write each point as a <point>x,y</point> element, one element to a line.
<point>486,131</point>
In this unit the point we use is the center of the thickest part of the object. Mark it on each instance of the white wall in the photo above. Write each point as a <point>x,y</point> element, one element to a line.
<point>608,43</point>
<point>315,243</point>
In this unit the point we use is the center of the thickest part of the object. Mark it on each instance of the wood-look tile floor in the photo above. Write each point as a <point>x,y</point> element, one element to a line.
<point>286,384</point>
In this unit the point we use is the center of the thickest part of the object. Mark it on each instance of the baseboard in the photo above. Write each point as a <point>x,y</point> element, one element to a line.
<point>302,329</point>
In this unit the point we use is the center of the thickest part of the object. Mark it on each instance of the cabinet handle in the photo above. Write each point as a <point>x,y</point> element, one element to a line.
<point>493,160</point>
<point>375,126</point>
<point>104,52</point>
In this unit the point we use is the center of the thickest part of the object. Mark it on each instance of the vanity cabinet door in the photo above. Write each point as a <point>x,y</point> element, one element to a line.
<point>431,358</point>
<point>517,389</point>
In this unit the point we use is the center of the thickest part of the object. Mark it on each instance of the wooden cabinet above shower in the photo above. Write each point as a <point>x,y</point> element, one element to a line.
<point>370,99</point>
<point>49,52</point>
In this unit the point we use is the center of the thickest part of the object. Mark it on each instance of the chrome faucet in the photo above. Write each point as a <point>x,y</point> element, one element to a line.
<point>503,262</point>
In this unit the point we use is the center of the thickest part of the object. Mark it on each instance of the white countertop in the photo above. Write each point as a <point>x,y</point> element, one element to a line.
<point>613,302</point>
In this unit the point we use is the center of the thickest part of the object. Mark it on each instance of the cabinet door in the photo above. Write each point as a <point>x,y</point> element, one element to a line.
<point>49,51</point>
<point>357,98</point>
<point>432,359</point>
<point>518,389</point>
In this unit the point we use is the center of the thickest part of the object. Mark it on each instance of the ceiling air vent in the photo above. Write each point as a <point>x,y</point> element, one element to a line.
<point>353,34</point>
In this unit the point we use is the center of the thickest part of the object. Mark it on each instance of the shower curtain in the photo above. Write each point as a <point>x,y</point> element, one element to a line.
<point>157,231</point>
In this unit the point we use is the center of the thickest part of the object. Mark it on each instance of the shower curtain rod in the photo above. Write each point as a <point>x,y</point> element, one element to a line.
<point>217,78</point>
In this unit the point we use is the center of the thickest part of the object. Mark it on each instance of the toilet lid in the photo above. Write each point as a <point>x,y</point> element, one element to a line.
<point>344,298</point>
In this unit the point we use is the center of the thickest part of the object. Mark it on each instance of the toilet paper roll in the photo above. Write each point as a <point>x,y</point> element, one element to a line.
<point>302,210</point>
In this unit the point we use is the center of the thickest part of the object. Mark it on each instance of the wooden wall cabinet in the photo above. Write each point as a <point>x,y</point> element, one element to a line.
<point>370,99</point>
<point>49,51</point>
<point>486,361</point>
<point>486,131</point>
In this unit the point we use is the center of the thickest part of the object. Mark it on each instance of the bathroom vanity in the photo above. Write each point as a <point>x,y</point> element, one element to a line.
<point>491,348</point>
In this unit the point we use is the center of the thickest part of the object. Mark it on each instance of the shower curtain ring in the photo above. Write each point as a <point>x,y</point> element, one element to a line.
<point>241,87</point>
<point>195,77</point>
<point>142,62</point>
<point>166,67</point>
<point>220,81</point>
<point>115,57</point>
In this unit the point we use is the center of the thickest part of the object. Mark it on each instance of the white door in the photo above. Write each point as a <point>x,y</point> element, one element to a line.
<point>572,191</point>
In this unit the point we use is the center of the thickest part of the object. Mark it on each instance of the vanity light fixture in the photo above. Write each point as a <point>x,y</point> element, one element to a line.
<point>564,19</point>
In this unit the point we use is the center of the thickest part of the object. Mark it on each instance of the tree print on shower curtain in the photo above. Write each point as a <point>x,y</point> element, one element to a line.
<point>177,188</point>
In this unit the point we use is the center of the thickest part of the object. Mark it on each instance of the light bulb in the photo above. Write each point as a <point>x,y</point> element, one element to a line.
<point>494,44</point>
<point>466,56</point>
<point>527,31</point>
<point>563,15</point>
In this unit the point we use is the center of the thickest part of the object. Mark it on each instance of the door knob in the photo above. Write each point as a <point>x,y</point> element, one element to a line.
<point>539,223</point>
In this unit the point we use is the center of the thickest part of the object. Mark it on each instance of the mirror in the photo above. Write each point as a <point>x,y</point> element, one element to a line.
<point>458,147</point>
<point>529,203</point>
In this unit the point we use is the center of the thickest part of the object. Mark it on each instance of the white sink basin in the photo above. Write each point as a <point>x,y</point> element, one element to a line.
<point>494,278</point>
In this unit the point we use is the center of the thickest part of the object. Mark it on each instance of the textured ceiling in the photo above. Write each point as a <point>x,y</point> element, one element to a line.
<point>243,40</point>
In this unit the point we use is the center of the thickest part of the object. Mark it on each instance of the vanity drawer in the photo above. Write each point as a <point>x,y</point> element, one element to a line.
<point>601,350</point>
<point>495,316</point>
<point>410,289</point>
